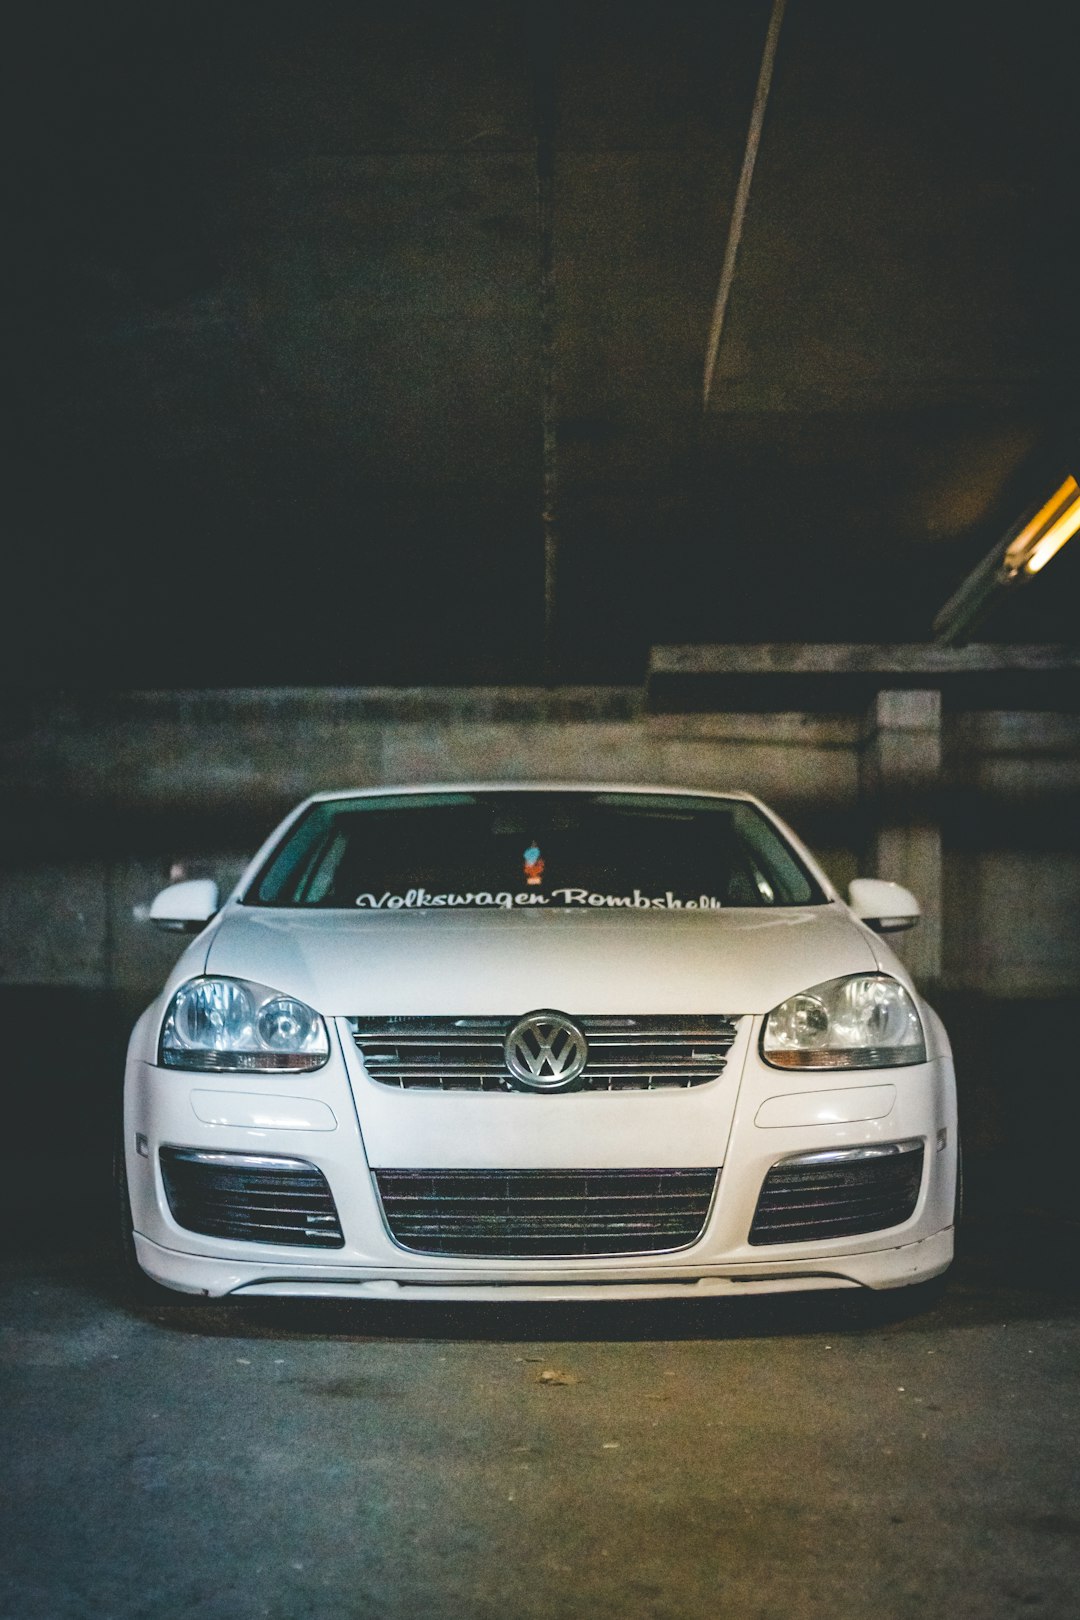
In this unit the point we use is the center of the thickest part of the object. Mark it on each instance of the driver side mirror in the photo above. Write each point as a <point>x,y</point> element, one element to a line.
<point>185,908</point>
<point>885,907</point>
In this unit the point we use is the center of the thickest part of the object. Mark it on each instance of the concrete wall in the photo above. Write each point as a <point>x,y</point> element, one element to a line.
<point>1011,831</point>
<point>107,799</point>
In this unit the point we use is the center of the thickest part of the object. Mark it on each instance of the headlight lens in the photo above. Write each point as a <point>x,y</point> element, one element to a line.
<point>231,1025</point>
<point>866,1022</point>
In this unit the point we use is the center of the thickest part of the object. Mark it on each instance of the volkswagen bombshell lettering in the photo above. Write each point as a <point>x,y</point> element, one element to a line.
<point>419,899</point>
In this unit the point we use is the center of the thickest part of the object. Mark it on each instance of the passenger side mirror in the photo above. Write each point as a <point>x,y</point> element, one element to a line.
<point>885,907</point>
<point>185,908</point>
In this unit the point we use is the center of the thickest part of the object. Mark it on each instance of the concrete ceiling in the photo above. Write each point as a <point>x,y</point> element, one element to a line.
<point>299,371</point>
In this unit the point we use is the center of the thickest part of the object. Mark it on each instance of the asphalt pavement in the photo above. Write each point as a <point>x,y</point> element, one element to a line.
<point>788,1458</point>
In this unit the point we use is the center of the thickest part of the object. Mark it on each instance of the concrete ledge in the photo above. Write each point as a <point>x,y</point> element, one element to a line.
<point>353,704</point>
<point>842,677</point>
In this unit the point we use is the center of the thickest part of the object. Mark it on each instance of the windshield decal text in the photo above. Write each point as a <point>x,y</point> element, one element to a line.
<point>419,899</point>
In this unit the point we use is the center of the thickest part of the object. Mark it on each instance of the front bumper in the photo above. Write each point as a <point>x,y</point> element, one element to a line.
<point>881,1268</point>
<point>344,1124</point>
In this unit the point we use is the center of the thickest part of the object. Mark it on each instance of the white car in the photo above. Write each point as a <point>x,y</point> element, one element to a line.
<point>523,1042</point>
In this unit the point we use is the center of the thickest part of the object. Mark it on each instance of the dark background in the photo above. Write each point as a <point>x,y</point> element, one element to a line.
<point>303,371</point>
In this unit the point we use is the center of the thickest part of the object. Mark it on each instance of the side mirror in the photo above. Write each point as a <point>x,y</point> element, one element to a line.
<point>885,907</point>
<point>185,908</point>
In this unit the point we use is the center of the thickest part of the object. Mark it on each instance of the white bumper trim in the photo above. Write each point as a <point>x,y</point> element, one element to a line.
<point>879,1268</point>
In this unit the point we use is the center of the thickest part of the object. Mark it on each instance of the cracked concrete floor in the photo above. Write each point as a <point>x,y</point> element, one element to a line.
<point>757,1458</point>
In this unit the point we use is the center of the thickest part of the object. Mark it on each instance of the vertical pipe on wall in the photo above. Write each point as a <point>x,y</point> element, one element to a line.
<point>742,194</point>
<point>543,46</point>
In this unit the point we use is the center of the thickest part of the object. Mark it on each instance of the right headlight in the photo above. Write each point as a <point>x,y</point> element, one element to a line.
<point>868,1021</point>
<point>235,1027</point>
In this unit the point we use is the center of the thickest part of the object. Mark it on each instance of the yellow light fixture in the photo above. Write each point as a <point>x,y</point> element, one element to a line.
<point>1011,562</point>
<point>1047,532</point>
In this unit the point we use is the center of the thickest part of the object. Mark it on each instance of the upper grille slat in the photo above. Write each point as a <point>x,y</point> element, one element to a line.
<point>647,1053</point>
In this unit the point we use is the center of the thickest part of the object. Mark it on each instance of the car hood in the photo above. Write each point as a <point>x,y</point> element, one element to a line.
<point>484,962</point>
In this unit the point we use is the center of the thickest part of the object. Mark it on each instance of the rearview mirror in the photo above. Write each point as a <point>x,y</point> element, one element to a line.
<point>185,908</point>
<point>885,907</point>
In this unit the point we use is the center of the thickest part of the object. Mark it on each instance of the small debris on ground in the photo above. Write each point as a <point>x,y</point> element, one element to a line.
<point>552,1375</point>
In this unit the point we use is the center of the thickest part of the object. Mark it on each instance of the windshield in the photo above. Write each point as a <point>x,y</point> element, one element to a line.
<point>514,850</point>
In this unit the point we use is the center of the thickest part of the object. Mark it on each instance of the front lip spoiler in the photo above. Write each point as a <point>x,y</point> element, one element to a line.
<point>536,1293</point>
<point>892,1266</point>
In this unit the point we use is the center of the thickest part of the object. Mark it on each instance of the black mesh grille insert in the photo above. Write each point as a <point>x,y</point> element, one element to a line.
<point>247,1196</point>
<point>643,1053</point>
<point>545,1212</point>
<point>826,1198</point>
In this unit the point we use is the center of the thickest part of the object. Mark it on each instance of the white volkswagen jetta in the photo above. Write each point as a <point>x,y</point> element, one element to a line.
<point>524,1042</point>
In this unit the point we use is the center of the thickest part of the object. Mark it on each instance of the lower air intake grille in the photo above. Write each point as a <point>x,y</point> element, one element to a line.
<point>256,1198</point>
<point>838,1194</point>
<point>645,1053</point>
<point>545,1212</point>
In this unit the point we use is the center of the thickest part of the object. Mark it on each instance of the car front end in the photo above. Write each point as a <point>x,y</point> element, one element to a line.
<point>580,1098</point>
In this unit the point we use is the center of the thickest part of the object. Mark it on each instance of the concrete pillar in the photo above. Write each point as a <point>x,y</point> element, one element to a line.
<point>899,779</point>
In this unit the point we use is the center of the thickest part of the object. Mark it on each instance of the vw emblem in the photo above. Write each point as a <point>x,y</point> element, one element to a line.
<point>545,1051</point>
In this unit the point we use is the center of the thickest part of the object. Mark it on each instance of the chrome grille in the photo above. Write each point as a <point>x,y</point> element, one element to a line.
<point>254,1197</point>
<point>644,1053</point>
<point>523,1213</point>
<point>839,1193</point>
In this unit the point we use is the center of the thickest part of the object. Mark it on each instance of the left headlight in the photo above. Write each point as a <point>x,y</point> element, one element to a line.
<point>232,1025</point>
<point>868,1021</point>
